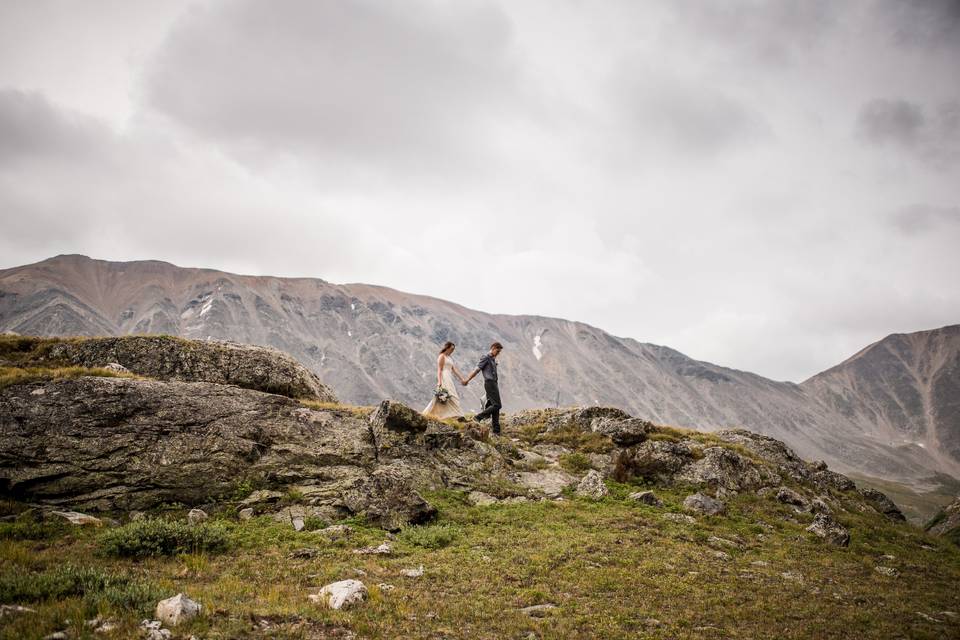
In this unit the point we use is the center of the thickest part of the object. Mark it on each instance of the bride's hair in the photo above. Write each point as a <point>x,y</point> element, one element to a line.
<point>447,345</point>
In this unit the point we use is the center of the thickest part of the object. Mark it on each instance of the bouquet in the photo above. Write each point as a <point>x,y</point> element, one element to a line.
<point>442,395</point>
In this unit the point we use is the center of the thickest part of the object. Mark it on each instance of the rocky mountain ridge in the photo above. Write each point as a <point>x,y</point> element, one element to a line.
<point>369,343</point>
<point>107,443</point>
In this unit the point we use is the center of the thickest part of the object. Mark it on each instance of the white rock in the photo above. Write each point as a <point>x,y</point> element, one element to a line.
<point>116,367</point>
<point>177,609</point>
<point>890,572</point>
<point>383,586</point>
<point>79,519</point>
<point>338,595</point>
<point>152,630</point>
<point>383,549</point>
<point>412,573</point>
<point>298,523</point>
<point>196,516</point>
<point>14,609</point>
<point>539,610</point>
<point>245,514</point>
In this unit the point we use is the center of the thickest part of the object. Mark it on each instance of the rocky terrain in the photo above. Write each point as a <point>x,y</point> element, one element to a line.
<point>379,522</point>
<point>370,343</point>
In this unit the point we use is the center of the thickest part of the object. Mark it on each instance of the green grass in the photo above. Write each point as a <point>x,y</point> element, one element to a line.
<point>10,376</point>
<point>612,567</point>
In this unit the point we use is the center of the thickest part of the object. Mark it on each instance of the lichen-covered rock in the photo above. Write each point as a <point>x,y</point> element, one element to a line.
<point>879,501</point>
<point>830,530</point>
<point>387,498</point>
<point>196,516</point>
<point>581,418</point>
<point>787,495</point>
<point>169,358</point>
<point>592,486</point>
<point>703,504</point>
<point>657,460</point>
<point>769,449</point>
<point>722,467</point>
<point>177,609</point>
<point>549,482</point>
<point>624,432</point>
<point>826,479</point>
<point>646,497</point>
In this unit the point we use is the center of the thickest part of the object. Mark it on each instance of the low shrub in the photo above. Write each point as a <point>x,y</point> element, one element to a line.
<point>435,536</point>
<point>32,530</point>
<point>575,462</point>
<point>93,585</point>
<point>147,538</point>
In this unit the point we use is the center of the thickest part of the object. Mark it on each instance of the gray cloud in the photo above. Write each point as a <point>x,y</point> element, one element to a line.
<point>407,86</point>
<point>934,137</point>
<point>922,23</point>
<point>921,218</point>
<point>31,127</point>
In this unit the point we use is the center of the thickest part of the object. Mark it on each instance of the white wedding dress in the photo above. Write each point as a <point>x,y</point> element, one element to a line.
<point>450,408</point>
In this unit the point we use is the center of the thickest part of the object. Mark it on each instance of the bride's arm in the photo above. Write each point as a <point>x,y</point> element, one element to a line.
<point>457,373</point>
<point>440,370</point>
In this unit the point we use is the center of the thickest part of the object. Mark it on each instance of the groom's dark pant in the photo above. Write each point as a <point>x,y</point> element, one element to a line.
<point>492,407</point>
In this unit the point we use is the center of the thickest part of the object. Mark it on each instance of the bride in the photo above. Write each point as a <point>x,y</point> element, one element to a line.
<point>449,408</point>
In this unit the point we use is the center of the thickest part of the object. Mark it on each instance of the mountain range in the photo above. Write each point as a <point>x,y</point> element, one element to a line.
<point>891,411</point>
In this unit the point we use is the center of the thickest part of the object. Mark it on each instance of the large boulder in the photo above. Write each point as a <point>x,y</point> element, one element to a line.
<point>656,460</point>
<point>879,501</point>
<point>170,358</point>
<point>830,530</point>
<point>103,443</point>
<point>770,449</point>
<point>722,467</point>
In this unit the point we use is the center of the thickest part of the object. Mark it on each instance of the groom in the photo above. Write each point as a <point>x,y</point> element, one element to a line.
<point>488,365</point>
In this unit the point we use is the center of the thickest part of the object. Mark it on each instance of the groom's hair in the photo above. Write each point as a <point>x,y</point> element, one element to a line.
<point>496,345</point>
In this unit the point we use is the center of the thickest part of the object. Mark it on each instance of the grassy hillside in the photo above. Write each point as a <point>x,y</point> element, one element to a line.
<point>613,569</point>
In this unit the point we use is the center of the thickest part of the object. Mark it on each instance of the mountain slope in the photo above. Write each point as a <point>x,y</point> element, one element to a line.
<point>904,390</point>
<point>370,343</point>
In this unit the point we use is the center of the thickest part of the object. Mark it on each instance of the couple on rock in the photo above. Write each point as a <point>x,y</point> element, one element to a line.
<point>446,402</point>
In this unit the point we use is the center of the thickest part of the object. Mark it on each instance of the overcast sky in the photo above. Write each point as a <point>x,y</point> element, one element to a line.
<point>764,185</point>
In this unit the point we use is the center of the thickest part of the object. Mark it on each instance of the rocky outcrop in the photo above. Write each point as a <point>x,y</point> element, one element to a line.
<point>830,530</point>
<point>120,443</point>
<point>947,522</point>
<point>169,358</point>
<point>882,503</point>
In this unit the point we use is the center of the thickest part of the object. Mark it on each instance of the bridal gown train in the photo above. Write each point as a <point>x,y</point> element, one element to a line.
<point>450,408</point>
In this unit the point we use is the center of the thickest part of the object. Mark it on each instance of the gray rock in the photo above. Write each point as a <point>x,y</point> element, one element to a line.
<point>679,517</point>
<point>383,549</point>
<point>480,499</point>
<point>819,505</point>
<point>177,609</point>
<point>168,358</point>
<point>412,573</point>
<point>646,497</point>
<point>245,514</point>
<point>336,531</point>
<point>879,501</point>
<point>624,432</point>
<point>550,482</point>
<point>890,572</point>
<point>719,467</point>
<point>196,516</point>
<point>153,630</point>
<point>77,518</point>
<point>830,530</point>
<point>539,610</point>
<point>340,595</point>
<point>262,496</point>
<point>769,449</point>
<point>136,516</point>
<point>656,460</point>
<point>115,367</point>
<point>703,504</point>
<point>826,479</point>
<point>9,610</point>
<point>789,496</point>
<point>592,486</point>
